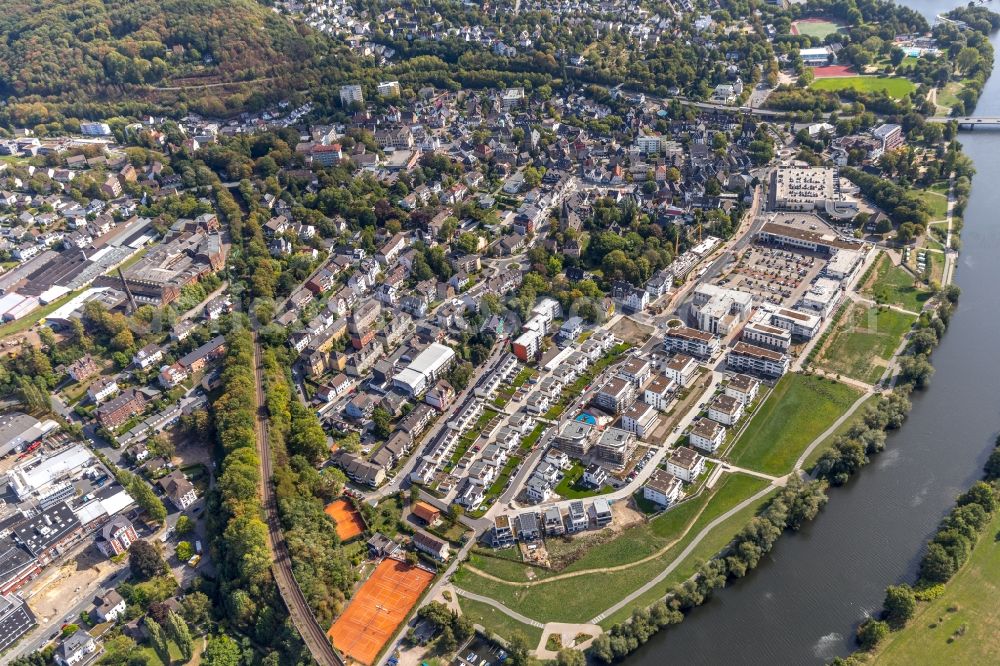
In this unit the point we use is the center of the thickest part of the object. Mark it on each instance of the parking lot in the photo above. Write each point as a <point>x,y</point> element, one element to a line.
<point>480,652</point>
<point>773,275</point>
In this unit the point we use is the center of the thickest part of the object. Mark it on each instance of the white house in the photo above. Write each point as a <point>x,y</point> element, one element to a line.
<point>537,489</point>
<point>636,370</point>
<point>557,458</point>
<point>595,476</point>
<point>102,389</point>
<point>75,648</point>
<point>110,606</point>
<point>577,517</point>
<point>707,435</point>
<point>681,369</point>
<point>725,409</point>
<point>743,388</point>
<point>148,356</point>
<point>659,392</point>
<point>640,419</point>
<point>663,488</point>
<point>433,546</point>
<point>686,464</point>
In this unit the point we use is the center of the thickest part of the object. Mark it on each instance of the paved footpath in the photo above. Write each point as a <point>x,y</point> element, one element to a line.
<point>500,607</point>
<point>659,578</point>
<point>829,431</point>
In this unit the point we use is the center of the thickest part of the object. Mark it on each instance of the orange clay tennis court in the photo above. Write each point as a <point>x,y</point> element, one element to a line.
<point>378,608</point>
<point>347,518</point>
<point>833,71</point>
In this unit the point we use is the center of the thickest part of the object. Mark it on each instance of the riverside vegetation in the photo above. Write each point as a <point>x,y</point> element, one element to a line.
<point>800,501</point>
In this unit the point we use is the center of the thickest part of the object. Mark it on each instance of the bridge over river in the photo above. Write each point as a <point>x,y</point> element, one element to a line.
<point>968,122</point>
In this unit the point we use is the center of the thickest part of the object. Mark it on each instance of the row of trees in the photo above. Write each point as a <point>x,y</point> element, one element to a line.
<point>246,591</point>
<point>947,551</point>
<point>298,444</point>
<point>853,449</point>
<point>794,505</point>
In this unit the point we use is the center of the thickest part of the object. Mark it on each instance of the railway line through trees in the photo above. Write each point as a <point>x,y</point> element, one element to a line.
<point>305,622</point>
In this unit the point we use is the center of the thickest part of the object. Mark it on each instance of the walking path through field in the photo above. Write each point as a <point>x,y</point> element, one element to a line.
<point>858,298</point>
<point>833,428</point>
<point>587,572</point>
<point>500,607</point>
<point>683,555</point>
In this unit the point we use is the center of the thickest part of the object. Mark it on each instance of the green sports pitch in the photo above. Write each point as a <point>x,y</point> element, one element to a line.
<point>818,28</point>
<point>894,86</point>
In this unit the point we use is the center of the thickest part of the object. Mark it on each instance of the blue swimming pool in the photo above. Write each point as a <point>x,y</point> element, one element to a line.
<point>587,418</point>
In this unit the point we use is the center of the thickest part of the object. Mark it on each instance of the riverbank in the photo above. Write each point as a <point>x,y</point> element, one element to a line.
<point>666,560</point>
<point>798,606</point>
<point>961,626</point>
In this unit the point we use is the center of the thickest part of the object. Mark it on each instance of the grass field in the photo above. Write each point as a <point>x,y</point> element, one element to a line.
<point>501,624</point>
<point>704,551</point>
<point>844,427</point>
<point>894,86</point>
<point>864,341</point>
<point>895,286</point>
<point>580,598</point>
<point>969,601</point>
<point>932,243</point>
<point>819,28</point>
<point>798,410</point>
<point>937,202</point>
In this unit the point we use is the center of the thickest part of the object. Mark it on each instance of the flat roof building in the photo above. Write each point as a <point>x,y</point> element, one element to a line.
<point>18,429</point>
<point>16,619</point>
<point>424,369</point>
<point>49,481</point>
<point>718,309</point>
<point>804,231</point>
<point>575,438</point>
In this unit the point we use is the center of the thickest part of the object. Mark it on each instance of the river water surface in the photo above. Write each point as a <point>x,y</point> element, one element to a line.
<point>802,605</point>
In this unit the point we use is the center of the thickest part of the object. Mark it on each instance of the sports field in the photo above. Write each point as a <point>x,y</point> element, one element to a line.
<point>833,71</point>
<point>894,86</point>
<point>347,518</point>
<point>378,608</point>
<point>814,27</point>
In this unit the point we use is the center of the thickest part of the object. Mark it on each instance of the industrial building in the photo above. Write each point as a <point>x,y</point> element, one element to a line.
<point>18,430</point>
<point>16,619</point>
<point>425,369</point>
<point>191,250</point>
<point>51,480</point>
<point>805,231</point>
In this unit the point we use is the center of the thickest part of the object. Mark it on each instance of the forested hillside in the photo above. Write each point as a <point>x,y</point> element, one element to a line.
<point>118,52</point>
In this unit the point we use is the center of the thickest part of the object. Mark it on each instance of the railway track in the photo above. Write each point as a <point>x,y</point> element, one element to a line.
<point>298,608</point>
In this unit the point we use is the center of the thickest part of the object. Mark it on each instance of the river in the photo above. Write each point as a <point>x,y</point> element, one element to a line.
<point>802,605</point>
